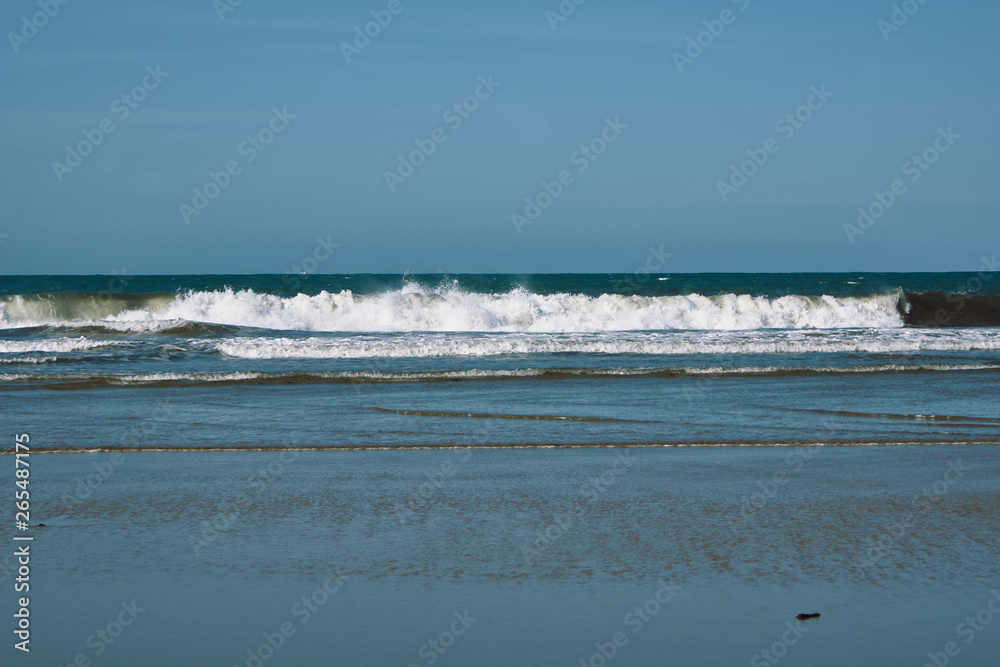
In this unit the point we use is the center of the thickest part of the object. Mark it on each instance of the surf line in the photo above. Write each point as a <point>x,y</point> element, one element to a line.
<point>896,442</point>
<point>890,415</point>
<point>484,415</point>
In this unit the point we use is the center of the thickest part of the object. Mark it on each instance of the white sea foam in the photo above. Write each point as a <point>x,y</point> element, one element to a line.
<point>53,345</point>
<point>141,378</point>
<point>642,343</point>
<point>415,308</point>
<point>28,360</point>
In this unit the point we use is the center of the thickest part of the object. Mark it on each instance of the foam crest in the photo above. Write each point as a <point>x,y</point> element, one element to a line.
<point>636,343</point>
<point>52,345</point>
<point>448,308</point>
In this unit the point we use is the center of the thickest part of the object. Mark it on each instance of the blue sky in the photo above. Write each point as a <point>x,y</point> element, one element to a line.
<point>323,175</point>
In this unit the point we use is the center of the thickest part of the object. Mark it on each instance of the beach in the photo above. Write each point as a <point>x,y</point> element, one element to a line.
<point>549,551</point>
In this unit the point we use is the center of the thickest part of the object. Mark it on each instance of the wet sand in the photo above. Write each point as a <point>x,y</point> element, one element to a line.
<point>694,555</point>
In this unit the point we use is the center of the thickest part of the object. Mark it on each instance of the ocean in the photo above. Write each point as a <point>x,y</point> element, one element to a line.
<point>508,469</point>
<point>428,360</point>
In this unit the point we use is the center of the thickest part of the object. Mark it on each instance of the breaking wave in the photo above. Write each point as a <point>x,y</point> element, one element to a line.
<point>449,308</point>
<point>415,308</point>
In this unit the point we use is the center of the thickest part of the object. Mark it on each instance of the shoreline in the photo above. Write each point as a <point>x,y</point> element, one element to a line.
<point>531,446</point>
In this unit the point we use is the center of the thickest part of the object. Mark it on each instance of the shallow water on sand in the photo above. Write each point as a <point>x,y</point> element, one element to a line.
<point>844,408</point>
<point>548,550</point>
